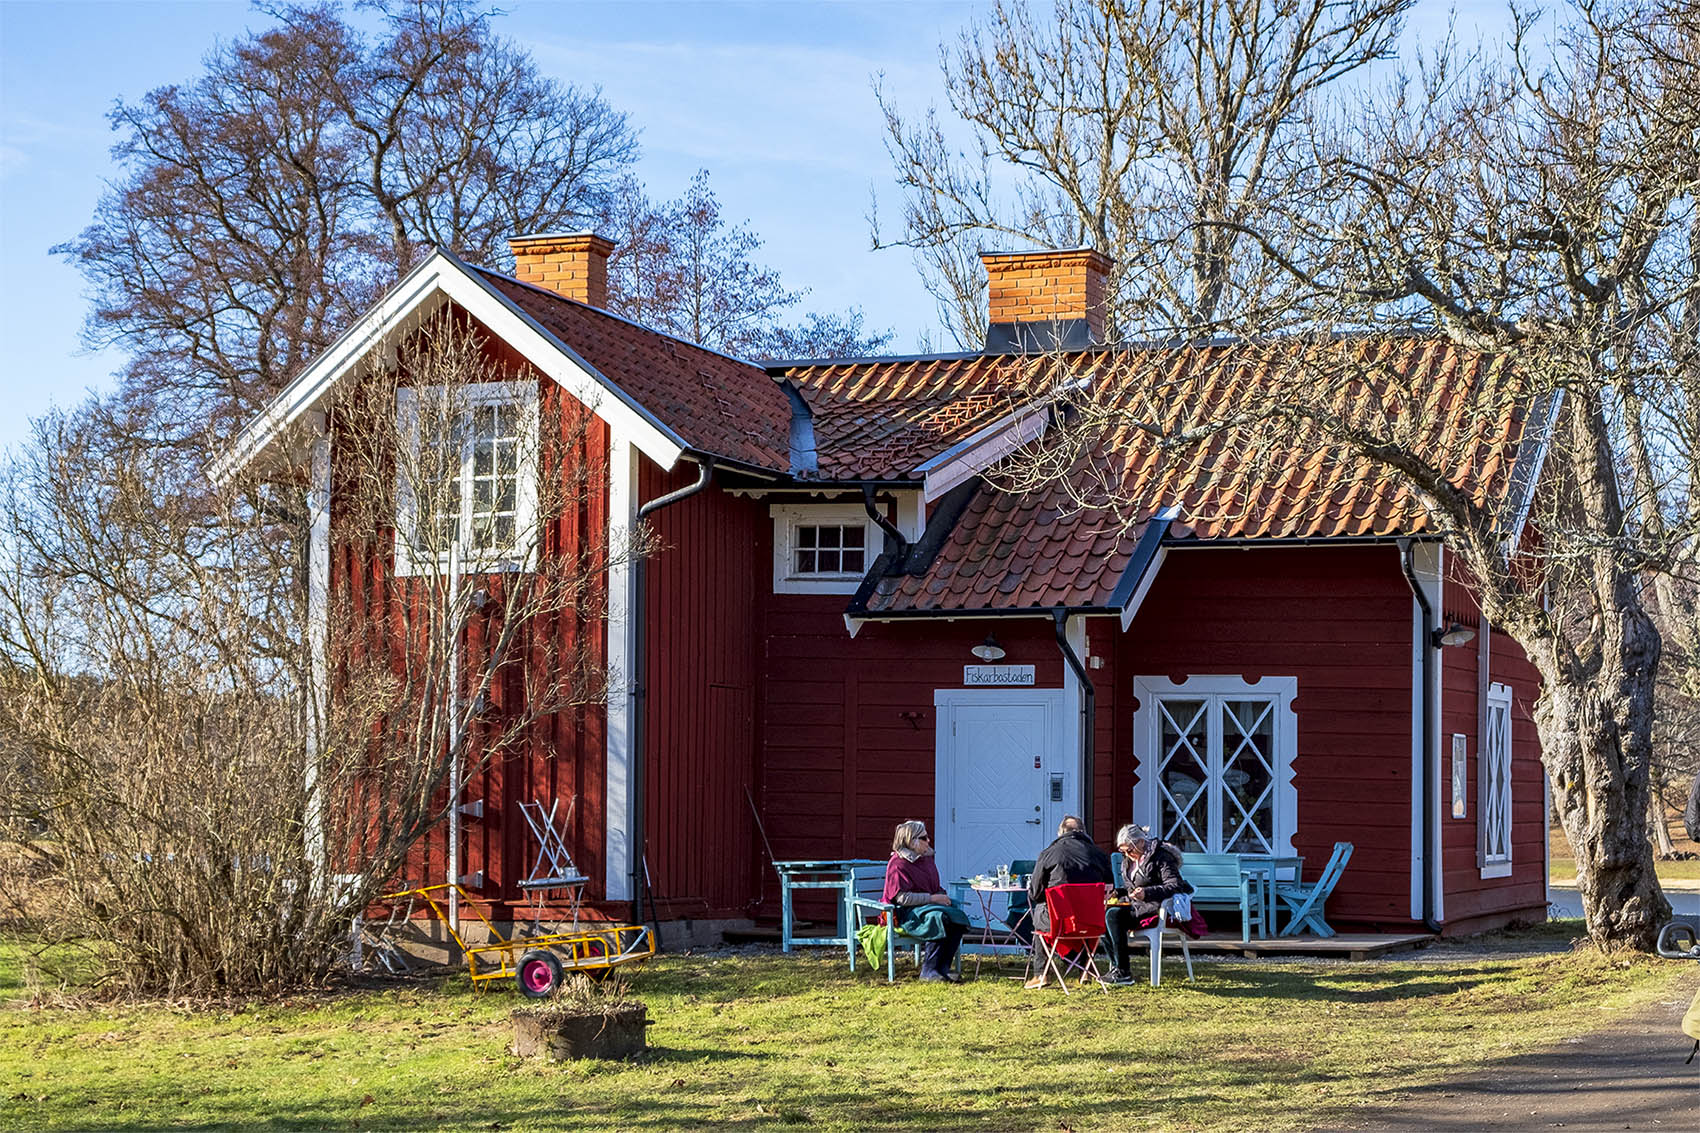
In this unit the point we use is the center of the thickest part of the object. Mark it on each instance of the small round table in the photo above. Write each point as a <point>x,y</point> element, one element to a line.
<point>987,893</point>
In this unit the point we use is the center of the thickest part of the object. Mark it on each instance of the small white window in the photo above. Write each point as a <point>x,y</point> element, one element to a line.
<point>1493,811</point>
<point>466,477</point>
<point>822,548</point>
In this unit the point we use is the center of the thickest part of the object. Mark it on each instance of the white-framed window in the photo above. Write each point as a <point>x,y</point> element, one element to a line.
<point>466,477</point>
<point>1216,762</point>
<point>822,548</point>
<point>1493,807</point>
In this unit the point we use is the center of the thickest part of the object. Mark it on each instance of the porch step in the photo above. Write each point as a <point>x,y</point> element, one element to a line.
<point>769,934</point>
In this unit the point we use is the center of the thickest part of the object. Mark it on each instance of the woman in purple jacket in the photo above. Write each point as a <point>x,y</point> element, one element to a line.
<point>924,910</point>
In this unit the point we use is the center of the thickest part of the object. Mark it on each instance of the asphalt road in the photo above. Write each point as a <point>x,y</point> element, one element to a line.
<point>1563,901</point>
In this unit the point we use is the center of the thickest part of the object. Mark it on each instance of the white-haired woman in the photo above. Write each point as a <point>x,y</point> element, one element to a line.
<point>1151,874</point>
<point>924,910</point>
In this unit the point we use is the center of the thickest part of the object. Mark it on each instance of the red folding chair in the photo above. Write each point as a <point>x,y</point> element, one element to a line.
<point>1077,925</point>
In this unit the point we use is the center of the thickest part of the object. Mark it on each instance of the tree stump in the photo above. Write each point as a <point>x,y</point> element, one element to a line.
<point>613,1032</point>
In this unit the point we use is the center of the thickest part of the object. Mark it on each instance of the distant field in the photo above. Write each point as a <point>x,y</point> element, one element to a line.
<point>1564,862</point>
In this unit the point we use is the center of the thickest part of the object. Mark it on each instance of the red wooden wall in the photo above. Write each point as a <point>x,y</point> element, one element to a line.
<point>706,588</point>
<point>561,755</point>
<point>1470,896</point>
<point>1337,618</point>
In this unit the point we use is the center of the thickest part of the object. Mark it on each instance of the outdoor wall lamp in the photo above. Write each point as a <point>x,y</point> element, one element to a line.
<point>989,649</point>
<point>1452,634</point>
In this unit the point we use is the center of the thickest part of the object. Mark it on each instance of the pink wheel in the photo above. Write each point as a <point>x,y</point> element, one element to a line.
<point>539,973</point>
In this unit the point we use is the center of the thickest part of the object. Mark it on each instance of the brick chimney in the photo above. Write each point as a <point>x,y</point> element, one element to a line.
<point>1045,300</point>
<point>571,264</point>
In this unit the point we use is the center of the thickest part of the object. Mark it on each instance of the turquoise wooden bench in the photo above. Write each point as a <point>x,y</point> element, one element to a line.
<point>1218,883</point>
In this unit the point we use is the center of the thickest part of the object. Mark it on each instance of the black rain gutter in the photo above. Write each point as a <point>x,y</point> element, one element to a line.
<point>1430,770</point>
<point>1088,714</point>
<point>640,697</point>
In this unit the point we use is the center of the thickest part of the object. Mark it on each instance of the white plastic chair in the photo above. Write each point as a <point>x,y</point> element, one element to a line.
<point>1154,937</point>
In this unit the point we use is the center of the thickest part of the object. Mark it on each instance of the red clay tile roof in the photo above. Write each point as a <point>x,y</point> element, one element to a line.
<point>1068,542</point>
<point>880,420</point>
<point>716,404</point>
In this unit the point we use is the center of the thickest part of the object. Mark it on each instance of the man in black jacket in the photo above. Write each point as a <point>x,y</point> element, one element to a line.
<point>1071,858</point>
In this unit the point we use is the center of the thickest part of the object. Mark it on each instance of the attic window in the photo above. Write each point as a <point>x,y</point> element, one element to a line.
<point>821,548</point>
<point>834,549</point>
<point>466,477</point>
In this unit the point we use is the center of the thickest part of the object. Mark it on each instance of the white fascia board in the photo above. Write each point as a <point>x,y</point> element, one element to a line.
<point>1144,587</point>
<point>1137,598</point>
<point>302,395</point>
<point>970,457</point>
<point>442,275</point>
<point>1522,507</point>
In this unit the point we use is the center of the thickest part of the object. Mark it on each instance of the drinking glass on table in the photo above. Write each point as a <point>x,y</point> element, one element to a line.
<point>1003,876</point>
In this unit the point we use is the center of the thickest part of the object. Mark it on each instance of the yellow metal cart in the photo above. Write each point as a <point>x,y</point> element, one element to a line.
<point>537,963</point>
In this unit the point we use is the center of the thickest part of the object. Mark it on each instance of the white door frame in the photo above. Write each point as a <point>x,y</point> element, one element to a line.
<point>1062,755</point>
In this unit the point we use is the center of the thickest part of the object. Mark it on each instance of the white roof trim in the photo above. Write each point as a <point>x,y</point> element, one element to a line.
<point>1522,507</point>
<point>442,275</point>
<point>968,458</point>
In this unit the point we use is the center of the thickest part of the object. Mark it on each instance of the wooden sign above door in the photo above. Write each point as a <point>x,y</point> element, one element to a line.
<point>997,674</point>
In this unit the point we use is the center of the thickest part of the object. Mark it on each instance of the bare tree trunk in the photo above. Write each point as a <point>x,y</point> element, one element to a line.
<point>1596,739</point>
<point>1663,846</point>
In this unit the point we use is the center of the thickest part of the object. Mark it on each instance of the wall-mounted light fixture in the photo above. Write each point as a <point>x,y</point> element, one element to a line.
<point>1451,634</point>
<point>989,649</point>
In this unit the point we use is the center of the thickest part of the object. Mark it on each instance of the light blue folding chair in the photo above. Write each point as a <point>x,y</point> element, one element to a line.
<point>1303,902</point>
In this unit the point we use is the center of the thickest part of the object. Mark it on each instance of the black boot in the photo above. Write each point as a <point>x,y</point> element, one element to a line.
<point>935,964</point>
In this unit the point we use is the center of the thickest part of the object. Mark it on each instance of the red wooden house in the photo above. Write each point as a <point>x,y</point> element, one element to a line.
<point>856,619</point>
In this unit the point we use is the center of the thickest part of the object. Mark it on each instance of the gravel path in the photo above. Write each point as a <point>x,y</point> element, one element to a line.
<point>1630,1076</point>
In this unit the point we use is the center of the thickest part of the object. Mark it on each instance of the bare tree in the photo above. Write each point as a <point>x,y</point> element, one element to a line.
<point>266,203</point>
<point>679,267</point>
<point>1540,214</point>
<point>194,839</point>
<point>1146,129</point>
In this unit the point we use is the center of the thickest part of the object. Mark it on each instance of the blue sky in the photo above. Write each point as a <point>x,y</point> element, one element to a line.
<point>774,99</point>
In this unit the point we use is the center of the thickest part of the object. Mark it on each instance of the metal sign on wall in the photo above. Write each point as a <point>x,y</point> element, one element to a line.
<point>997,675</point>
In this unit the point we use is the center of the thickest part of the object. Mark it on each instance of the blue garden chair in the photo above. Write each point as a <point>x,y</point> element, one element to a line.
<point>867,886</point>
<point>1303,902</point>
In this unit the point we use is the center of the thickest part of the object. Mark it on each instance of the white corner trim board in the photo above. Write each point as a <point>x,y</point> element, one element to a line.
<point>1428,563</point>
<point>622,519</point>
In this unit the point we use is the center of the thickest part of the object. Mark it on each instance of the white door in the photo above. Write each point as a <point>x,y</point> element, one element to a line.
<point>998,751</point>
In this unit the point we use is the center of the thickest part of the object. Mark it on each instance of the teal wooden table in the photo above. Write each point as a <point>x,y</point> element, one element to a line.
<point>834,874</point>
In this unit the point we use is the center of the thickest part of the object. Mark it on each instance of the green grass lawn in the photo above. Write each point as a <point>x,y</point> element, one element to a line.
<point>1565,868</point>
<point>773,1041</point>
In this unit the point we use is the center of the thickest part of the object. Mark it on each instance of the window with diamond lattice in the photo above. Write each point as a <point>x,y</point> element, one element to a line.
<point>1216,762</point>
<point>1494,808</point>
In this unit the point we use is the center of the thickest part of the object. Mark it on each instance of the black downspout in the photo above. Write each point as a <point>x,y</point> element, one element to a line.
<point>1088,716</point>
<point>640,697</point>
<point>885,525</point>
<point>1430,771</point>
